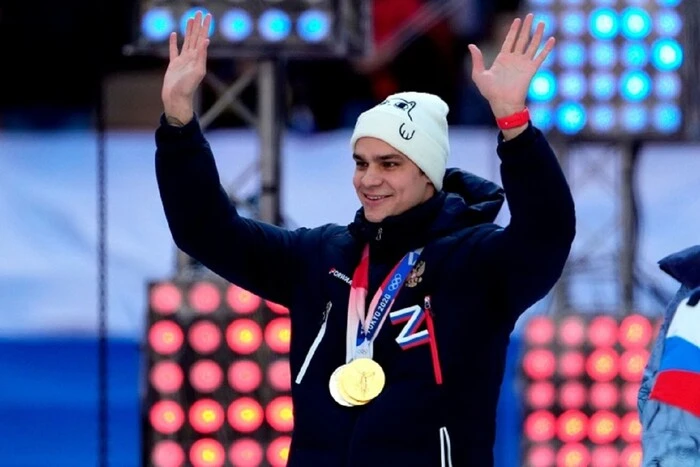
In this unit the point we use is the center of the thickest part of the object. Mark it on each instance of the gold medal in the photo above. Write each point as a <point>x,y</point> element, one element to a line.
<point>334,387</point>
<point>361,380</point>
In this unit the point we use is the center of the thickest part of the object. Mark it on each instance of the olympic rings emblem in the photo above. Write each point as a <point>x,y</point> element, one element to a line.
<point>395,282</point>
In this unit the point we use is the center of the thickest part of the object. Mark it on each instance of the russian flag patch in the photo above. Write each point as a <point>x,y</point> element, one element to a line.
<point>678,379</point>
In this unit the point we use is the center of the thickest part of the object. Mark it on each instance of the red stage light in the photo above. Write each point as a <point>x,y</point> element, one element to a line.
<point>602,365</point>
<point>572,395</point>
<point>244,336</point>
<point>167,454</point>
<point>278,451</point>
<point>279,375</point>
<point>165,337</point>
<point>635,332</point>
<point>539,331</point>
<point>204,337</point>
<point>206,376</point>
<point>573,455</point>
<point>206,416</point>
<point>539,363</point>
<point>277,308</point>
<point>165,299</point>
<point>632,363</point>
<point>166,377</point>
<point>277,334</point>
<point>572,364</point>
<point>279,414</point>
<point>244,375</point>
<point>245,415</point>
<point>204,297</point>
<point>603,427</point>
<point>207,453</point>
<point>241,301</point>
<point>604,395</point>
<point>631,428</point>
<point>245,452</point>
<point>541,456</point>
<point>572,331</point>
<point>572,426</point>
<point>631,456</point>
<point>603,331</point>
<point>166,416</point>
<point>540,426</point>
<point>605,456</point>
<point>540,395</point>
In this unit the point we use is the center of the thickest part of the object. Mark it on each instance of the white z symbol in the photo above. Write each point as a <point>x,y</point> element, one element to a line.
<point>409,335</point>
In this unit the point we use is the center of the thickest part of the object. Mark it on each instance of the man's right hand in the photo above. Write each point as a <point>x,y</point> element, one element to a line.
<point>186,70</point>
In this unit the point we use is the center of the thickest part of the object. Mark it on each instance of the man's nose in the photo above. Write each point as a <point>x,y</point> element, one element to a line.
<point>371,177</point>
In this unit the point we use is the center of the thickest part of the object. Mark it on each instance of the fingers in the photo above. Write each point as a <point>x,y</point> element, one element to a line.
<point>173,46</point>
<point>196,30</point>
<point>477,60</point>
<point>524,35</point>
<point>510,37</point>
<point>536,40</point>
<point>203,40</point>
<point>188,35</point>
<point>542,56</point>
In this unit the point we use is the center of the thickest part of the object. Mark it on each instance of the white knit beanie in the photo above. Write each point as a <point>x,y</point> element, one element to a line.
<point>414,123</point>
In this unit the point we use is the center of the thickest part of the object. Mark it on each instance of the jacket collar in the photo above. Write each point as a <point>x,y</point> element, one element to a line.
<point>684,266</point>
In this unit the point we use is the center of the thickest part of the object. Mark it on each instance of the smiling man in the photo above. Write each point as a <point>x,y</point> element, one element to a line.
<point>400,319</point>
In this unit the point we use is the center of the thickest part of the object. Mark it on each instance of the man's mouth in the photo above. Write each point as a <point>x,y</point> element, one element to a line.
<point>375,197</point>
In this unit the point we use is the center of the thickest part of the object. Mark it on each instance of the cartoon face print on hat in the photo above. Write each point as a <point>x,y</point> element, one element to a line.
<point>401,104</point>
<point>406,131</point>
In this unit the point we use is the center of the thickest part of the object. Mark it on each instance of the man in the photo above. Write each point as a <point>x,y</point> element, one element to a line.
<point>669,396</point>
<point>400,320</point>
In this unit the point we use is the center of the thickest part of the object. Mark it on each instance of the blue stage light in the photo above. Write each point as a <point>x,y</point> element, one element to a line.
<point>669,3</point>
<point>635,85</point>
<point>236,25</point>
<point>313,25</point>
<point>541,2</point>
<point>636,23</point>
<point>191,14</point>
<point>635,55</point>
<point>573,23</point>
<point>668,23</point>
<point>543,86</point>
<point>572,86</point>
<point>603,54</point>
<point>542,116</point>
<point>550,22</point>
<point>604,23</point>
<point>667,55</point>
<point>274,25</point>
<point>635,117</point>
<point>603,86</point>
<point>667,118</point>
<point>157,24</point>
<point>602,118</point>
<point>667,86</point>
<point>572,54</point>
<point>571,117</point>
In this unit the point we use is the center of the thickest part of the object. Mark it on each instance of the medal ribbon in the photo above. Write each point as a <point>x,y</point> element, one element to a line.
<point>368,324</point>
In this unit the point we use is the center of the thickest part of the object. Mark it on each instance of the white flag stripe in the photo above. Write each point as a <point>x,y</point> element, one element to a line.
<point>686,323</point>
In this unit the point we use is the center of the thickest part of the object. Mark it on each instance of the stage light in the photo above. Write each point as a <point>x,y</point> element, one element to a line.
<point>313,25</point>
<point>620,48</point>
<point>217,370</point>
<point>236,25</point>
<point>157,24</point>
<point>592,419</point>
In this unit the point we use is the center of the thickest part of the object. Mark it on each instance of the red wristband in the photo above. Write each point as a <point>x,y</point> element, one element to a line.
<point>514,121</point>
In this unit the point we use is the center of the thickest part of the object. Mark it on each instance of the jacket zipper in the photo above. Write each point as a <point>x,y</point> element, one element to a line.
<point>445,448</point>
<point>437,369</point>
<point>314,345</point>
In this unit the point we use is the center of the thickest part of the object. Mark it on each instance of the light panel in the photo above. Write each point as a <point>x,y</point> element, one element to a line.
<point>618,70</point>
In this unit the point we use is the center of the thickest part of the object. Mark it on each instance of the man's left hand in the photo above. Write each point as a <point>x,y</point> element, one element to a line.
<point>505,85</point>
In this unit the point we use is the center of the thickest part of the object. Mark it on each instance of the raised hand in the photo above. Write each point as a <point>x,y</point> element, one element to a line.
<point>505,85</point>
<point>186,70</point>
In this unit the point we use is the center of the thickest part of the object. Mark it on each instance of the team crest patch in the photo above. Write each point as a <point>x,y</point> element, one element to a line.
<point>414,278</point>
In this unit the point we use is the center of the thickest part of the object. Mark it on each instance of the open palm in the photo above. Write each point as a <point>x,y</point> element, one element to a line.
<point>505,85</point>
<point>188,66</point>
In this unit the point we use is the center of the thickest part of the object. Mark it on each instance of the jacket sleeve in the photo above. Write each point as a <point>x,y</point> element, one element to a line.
<point>204,223</point>
<point>526,258</point>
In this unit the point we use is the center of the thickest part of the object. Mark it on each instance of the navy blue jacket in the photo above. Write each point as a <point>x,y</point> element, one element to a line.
<point>439,404</point>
